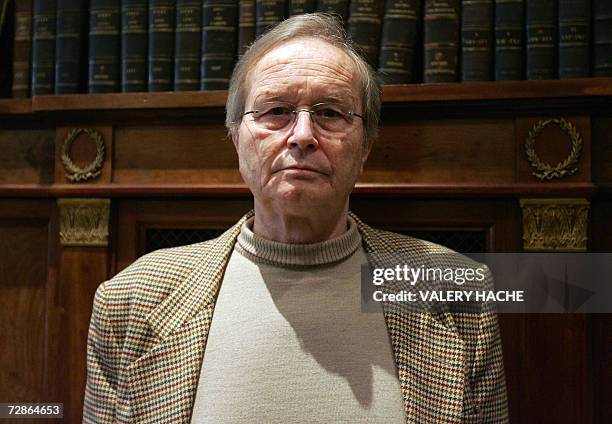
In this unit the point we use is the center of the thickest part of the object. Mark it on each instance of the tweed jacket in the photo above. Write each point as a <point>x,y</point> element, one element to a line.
<point>150,323</point>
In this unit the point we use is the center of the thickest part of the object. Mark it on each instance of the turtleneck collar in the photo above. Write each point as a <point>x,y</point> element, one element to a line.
<point>279,254</point>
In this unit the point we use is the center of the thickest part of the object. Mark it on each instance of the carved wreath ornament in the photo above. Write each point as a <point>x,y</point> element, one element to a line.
<point>544,171</point>
<point>75,173</point>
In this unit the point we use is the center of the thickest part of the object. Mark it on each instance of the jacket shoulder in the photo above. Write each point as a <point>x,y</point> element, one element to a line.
<point>134,292</point>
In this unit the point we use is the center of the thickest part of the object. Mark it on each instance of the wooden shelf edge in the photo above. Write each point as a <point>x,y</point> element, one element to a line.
<point>409,93</point>
<point>130,101</point>
<point>498,90</point>
<point>15,106</point>
<point>361,190</point>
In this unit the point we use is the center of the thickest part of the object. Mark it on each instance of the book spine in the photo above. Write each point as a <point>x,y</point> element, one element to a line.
<point>268,13</point>
<point>220,19</point>
<point>104,27</point>
<point>297,7</point>
<point>441,38</point>
<point>574,37</point>
<point>43,47</point>
<point>22,48</point>
<point>336,7</point>
<point>509,39</point>
<point>187,45</point>
<point>364,27</point>
<point>541,24</point>
<point>69,53</point>
<point>134,45</point>
<point>476,40</point>
<point>398,41</point>
<point>602,34</point>
<point>246,25</point>
<point>161,45</point>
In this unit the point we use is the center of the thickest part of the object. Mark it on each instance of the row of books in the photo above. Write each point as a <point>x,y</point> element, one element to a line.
<point>73,46</point>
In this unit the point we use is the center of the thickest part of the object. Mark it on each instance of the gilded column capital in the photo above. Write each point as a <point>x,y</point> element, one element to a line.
<point>84,222</point>
<point>555,224</point>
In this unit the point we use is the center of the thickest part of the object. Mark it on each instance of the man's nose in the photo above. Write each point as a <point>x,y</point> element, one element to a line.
<point>302,134</point>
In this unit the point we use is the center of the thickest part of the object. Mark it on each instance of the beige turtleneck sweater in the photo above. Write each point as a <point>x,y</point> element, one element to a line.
<point>288,342</point>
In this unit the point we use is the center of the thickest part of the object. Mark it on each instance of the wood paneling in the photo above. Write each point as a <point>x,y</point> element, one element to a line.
<point>28,302</point>
<point>178,154</point>
<point>82,271</point>
<point>27,156</point>
<point>602,149</point>
<point>442,151</point>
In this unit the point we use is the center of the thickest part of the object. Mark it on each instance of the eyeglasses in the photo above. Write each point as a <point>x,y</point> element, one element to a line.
<point>281,116</point>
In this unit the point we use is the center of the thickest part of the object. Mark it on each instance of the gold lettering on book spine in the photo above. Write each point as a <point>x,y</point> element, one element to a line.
<point>84,222</point>
<point>555,224</point>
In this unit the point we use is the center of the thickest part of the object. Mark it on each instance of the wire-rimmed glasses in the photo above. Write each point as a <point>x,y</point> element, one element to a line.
<point>281,116</point>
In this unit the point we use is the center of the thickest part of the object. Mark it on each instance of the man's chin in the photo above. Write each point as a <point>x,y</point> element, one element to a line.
<point>297,194</point>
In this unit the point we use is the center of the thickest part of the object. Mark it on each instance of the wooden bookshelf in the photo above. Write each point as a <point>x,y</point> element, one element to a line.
<point>593,89</point>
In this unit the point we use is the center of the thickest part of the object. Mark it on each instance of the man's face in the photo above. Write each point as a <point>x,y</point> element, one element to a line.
<point>302,166</point>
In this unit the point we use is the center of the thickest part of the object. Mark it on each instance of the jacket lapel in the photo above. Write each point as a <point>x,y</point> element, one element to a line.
<point>162,383</point>
<point>429,355</point>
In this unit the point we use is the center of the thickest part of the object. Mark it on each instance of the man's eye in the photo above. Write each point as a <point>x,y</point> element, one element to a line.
<point>279,111</point>
<point>329,113</point>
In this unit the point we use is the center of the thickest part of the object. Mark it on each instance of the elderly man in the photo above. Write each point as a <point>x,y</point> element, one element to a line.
<point>264,323</point>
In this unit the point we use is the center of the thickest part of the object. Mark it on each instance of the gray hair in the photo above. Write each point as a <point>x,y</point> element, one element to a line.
<point>313,25</point>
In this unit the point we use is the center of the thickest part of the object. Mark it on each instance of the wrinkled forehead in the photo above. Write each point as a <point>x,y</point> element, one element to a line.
<point>305,70</point>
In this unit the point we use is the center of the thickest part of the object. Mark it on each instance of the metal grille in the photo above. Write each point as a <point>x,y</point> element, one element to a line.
<point>161,238</point>
<point>459,241</point>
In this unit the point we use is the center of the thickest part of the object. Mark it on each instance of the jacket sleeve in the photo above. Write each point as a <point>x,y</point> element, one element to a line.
<point>102,363</point>
<point>488,383</point>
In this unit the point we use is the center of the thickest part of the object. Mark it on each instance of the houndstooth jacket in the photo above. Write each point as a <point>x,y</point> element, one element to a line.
<point>150,322</point>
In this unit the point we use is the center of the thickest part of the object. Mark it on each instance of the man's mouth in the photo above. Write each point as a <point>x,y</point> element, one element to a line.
<point>296,168</point>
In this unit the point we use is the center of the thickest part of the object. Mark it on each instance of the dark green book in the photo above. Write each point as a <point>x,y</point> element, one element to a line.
<point>220,20</point>
<point>365,26</point>
<point>574,38</point>
<point>541,23</point>
<point>297,7</point>
<point>187,44</point>
<point>441,41</point>
<point>336,7</point>
<point>70,46</point>
<point>161,45</point>
<point>22,48</point>
<point>246,25</point>
<point>509,39</point>
<point>476,40</point>
<point>6,47</point>
<point>104,44</point>
<point>43,47</point>
<point>602,34</point>
<point>399,41</point>
<point>268,14</point>
<point>134,45</point>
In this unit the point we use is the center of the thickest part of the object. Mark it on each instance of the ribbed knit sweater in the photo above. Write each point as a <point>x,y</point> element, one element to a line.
<point>288,342</point>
